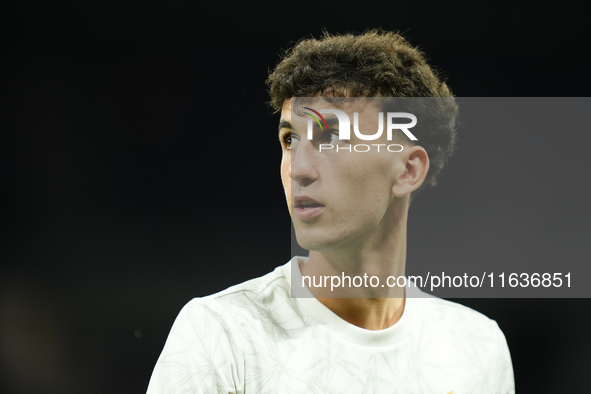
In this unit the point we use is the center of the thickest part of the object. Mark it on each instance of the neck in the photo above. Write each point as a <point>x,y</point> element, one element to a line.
<point>370,262</point>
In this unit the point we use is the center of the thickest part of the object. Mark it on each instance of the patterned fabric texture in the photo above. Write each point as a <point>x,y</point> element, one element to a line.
<point>255,338</point>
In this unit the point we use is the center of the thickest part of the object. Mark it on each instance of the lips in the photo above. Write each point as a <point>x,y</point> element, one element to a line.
<point>305,202</point>
<point>307,208</point>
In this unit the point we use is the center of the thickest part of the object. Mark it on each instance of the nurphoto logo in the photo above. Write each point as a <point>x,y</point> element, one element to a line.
<point>345,129</point>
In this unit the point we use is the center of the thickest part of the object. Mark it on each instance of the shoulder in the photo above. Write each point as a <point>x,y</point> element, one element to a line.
<point>206,346</point>
<point>241,310</point>
<point>257,288</point>
<point>452,331</point>
<point>245,299</point>
<point>454,316</point>
<point>458,324</point>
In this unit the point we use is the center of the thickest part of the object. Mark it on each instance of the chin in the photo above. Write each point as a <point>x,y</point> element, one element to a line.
<point>317,241</point>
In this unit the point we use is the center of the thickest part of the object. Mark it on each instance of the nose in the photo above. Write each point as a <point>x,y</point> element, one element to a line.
<point>303,168</point>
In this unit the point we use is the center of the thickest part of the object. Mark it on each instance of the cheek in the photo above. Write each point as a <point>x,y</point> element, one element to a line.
<point>371,183</point>
<point>286,179</point>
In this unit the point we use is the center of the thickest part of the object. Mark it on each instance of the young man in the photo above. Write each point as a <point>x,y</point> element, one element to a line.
<point>349,207</point>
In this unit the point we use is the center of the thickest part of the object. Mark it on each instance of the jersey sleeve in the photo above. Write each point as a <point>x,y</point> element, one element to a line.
<point>203,353</point>
<point>504,370</point>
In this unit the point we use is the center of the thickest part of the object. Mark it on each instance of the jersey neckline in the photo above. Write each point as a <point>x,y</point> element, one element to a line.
<point>332,322</point>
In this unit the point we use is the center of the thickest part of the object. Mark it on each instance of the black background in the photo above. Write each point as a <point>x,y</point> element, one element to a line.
<point>140,168</point>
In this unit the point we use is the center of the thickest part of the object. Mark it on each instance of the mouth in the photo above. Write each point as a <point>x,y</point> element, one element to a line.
<point>307,208</point>
<point>306,203</point>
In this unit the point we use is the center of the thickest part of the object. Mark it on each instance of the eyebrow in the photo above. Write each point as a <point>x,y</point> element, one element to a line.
<point>331,121</point>
<point>284,124</point>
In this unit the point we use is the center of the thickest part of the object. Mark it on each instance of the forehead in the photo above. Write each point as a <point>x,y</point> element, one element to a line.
<point>286,110</point>
<point>349,105</point>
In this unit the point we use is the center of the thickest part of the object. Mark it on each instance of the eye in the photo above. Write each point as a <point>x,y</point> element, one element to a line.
<point>331,137</point>
<point>286,140</point>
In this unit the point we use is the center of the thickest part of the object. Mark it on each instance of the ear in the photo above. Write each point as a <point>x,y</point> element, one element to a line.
<point>416,161</point>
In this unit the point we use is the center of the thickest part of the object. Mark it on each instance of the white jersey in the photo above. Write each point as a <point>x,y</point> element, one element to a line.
<point>255,338</point>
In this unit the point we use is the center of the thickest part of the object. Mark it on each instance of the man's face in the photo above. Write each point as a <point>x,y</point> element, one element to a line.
<point>338,199</point>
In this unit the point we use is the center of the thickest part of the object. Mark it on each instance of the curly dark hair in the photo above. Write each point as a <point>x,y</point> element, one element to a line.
<point>373,64</point>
